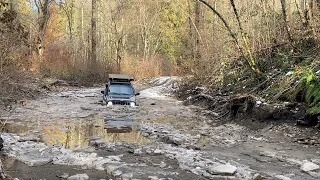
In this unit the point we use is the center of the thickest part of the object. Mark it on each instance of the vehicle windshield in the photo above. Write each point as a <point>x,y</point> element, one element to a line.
<point>124,89</point>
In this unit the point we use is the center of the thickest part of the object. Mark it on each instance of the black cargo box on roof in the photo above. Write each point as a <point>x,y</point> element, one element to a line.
<point>120,78</point>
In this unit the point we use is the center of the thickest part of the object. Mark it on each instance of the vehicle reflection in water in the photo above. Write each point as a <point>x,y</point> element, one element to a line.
<point>79,133</point>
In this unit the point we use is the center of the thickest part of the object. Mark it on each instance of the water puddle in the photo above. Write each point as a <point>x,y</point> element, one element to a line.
<point>77,133</point>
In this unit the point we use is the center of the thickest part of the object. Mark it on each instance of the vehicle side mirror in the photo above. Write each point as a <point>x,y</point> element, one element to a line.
<point>137,94</point>
<point>102,92</point>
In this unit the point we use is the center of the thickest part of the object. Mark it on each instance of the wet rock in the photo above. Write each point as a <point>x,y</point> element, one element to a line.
<point>309,166</point>
<point>282,177</point>
<point>222,178</point>
<point>117,173</point>
<point>268,154</point>
<point>294,161</point>
<point>257,177</point>
<point>225,169</point>
<point>78,177</point>
<point>36,162</point>
<point>192,146</point>
<point>137,151</point>
<point>162,164</point>
<point>157,151</point>
<point>314,174</point>
<point>29,138</point>
<point>177,140</point>
<point>153,178</point>
<point>63,176</point>
<point>317,161</point>
<point>112,168</point>
<point>127,176</point>
<point>183,167</point>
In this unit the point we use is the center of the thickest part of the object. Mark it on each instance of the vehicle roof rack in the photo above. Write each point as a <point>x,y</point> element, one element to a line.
<point>120,78</point>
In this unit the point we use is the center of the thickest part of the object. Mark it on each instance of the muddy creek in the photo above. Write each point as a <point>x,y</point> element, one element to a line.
<point>77,133</point>
<point>72,133</point>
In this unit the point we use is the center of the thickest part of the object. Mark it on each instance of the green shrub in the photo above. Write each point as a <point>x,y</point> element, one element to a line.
<point>310,86</point>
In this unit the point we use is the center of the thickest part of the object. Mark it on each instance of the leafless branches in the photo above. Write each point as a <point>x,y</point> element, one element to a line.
<point>43,9</point>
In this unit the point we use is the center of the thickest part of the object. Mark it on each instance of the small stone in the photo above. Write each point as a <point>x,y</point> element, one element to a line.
<point>294,161</point>
<point>290,73</point>
<point>225,169</point>
<point>78,177</point>
<point>153,178</point>
<point>117,173</point>
<point>157,151</point>
<point>111,168</point>
<point>314,174</point>
<point>183,167</point>
<point>127,176</point>
<point>137,151</point>
<point>219,177</point>
<point>317,161</point>
<point>281,177</point>
<point>63,176</point>
<point>309,166</point>
<point>257,177</point>
<point>162,164</point>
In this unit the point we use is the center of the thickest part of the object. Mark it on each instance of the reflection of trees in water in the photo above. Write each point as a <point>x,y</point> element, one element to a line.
<point>76,135</point>
<point>78,131</point>
<point>131,137</point>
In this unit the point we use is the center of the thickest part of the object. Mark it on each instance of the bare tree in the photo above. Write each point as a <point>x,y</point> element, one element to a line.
<point>197,55</point>
<point>43,7</point>
<point>68,7</point>
<point>251,60</point>
<point>93,60</point>
<point>285,19</point>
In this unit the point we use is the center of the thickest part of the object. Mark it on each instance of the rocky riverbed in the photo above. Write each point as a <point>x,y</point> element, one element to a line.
<point>72,135</point>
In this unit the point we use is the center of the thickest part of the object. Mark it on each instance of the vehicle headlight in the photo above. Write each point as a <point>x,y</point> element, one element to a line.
<point>109,104</point>
<point>132,104</point>
<point>133,99</point>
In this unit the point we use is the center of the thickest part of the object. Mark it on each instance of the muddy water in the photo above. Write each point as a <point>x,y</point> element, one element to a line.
<point>77,133</point>
<point>75,119</point>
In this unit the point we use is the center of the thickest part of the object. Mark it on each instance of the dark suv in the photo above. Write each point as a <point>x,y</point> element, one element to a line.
<point>119,90</point>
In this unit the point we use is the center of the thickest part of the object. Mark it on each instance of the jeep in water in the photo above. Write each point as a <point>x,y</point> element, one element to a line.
<point>119,90</point>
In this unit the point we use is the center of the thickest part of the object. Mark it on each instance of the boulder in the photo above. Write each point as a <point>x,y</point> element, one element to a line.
<point>309,166</point>
<point>281,177</point>
<point>78,177</point>
<point>225,169</point>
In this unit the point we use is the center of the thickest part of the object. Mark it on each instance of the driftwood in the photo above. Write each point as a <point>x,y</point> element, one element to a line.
<point>263,83</point>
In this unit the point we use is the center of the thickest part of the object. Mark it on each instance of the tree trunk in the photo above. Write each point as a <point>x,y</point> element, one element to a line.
<point>119,54</point>
<point>93,38</point>
<point>197,55</point>
<point>284,16</point>
<point>251,61</point>
<point>43,7</point>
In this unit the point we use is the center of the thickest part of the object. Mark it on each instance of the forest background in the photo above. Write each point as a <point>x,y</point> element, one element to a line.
<point>259,46</point>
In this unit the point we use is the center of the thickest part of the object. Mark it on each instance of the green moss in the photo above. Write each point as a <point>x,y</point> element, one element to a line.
<point>310,86</point>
